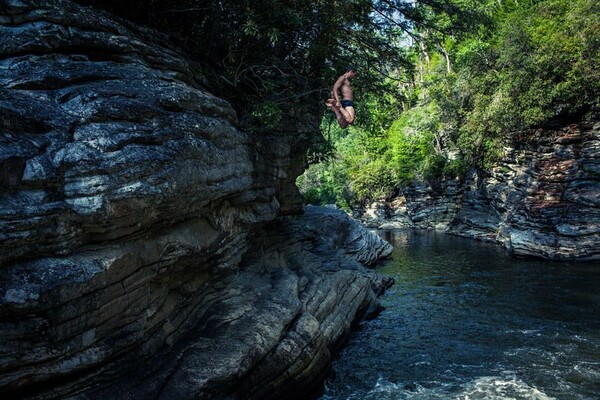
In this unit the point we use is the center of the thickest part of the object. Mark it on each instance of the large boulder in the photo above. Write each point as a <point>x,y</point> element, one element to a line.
<point>143,249</point>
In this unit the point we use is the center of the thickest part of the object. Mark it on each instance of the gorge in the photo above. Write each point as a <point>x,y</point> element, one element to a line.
<point>154,243</point>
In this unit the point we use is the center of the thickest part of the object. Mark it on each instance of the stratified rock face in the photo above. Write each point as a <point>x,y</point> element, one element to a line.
<point>547,194</point>
<point>105,134</point>
<point>134,258</point>
<point>266,331</point>
<point>419,206</point>
<point>542,200</point>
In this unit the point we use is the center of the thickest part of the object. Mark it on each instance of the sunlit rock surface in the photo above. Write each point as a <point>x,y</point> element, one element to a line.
<point>541,200</point>
<point>547,194</point>
<point>145,251</point>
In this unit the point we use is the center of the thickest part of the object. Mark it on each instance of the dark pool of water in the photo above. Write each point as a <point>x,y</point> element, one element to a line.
<point>465,321</point>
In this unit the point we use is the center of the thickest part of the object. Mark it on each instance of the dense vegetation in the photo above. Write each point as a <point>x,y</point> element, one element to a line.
<point>268,57</point>
<point>265,56</point>
<point>442,83</point>
<point>522,64</point>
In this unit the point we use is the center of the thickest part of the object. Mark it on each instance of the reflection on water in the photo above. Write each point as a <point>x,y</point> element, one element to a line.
<point>465,321</point>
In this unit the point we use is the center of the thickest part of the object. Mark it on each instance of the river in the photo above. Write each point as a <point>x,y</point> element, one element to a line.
<point>466,321</point>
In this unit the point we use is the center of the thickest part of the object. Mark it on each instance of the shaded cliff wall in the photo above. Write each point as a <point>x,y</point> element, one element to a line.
<point>541,200</point>
<point>143,249</point>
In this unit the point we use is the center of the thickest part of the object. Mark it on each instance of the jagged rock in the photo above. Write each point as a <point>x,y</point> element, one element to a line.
<point>541,200</point>
<point>419,206</point>
<point>143,252</point>
<point>263,331</point>
<point>552,202</point>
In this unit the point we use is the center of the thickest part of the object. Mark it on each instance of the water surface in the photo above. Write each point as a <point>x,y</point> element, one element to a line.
<point>465,321</point>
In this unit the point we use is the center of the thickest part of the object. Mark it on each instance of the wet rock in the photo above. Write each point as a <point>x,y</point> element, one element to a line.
<point>269,330</point>
<point>419,206</point>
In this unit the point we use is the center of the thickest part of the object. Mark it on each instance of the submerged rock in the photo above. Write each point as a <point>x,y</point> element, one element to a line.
<point>144,249</point>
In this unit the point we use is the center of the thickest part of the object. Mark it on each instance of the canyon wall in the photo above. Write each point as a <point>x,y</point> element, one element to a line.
<point>541,200</point>
<point>150,248</point>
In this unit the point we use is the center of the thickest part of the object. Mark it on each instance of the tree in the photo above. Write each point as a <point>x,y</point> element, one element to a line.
<point>472,86</point>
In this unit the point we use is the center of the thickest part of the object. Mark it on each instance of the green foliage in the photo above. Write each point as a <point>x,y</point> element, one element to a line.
<point>324,184</point>
<point>410,140</point>
<point>541,63</point>
<point>267,114</point>
<point>373,180</point>
<point>442,84</point>
<point>287,52</point>
<point>512,66</point>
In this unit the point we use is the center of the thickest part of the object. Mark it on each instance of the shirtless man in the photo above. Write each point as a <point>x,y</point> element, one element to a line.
<point>343,109</point>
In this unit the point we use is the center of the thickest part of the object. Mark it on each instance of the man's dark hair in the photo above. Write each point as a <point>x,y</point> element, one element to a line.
<point>351,68</point>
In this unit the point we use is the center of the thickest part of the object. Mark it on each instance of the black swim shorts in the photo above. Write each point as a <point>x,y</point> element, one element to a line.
<point>347,103</point>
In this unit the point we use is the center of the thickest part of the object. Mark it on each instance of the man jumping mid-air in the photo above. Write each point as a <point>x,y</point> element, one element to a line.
<point>343,109</point>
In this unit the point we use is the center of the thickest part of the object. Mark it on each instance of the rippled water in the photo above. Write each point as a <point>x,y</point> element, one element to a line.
<point>465,321</point>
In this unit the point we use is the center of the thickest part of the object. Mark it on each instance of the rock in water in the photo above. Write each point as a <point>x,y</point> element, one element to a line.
<point>144,254</point>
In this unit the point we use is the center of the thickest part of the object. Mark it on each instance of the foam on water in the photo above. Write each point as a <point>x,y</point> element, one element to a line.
<point>501,388</point>
<point>482,388</point>
<point>588,370</point>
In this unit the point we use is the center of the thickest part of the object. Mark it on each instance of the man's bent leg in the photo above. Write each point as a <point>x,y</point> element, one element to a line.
<point>342,121</point>
<point>340,118</point>
<point>338,115</point>
<point>348,113</point>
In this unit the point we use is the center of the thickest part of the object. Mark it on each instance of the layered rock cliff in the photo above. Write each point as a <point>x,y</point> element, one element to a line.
<point>541,200</point>
<point>145,251</point>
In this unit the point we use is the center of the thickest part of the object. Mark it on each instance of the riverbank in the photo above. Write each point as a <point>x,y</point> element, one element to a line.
<point>541,200</point>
